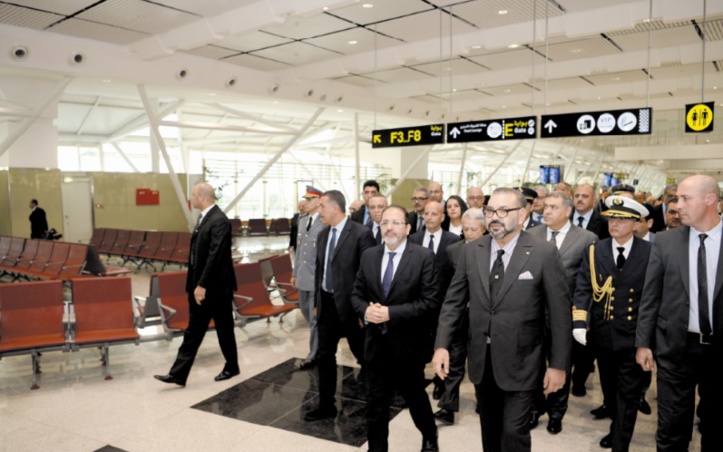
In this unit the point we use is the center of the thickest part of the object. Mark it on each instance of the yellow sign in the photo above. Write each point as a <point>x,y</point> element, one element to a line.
<point>699,117</point>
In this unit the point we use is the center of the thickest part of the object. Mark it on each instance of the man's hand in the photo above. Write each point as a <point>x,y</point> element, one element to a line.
<point>580,335</point>
<point>644,357</point>
<point>293,282</point>
<point>554,380</point>
<point>376,313</point>
<point>440,362</point>
<point>199,294</point>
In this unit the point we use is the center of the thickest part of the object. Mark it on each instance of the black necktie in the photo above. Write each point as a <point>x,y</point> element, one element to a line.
<point>370,223</point>
<point>431,242</point>
<point>420,222</point>
<point>378,235</point>
<point>388,275</point>
<point>198,222</point>
<point>579,221</point>
<point>497,275</point>
<point>308,225</point>
<point>621,257</point>
<point>552,238</point>
<point>703,316</point>
<point>329,273</point>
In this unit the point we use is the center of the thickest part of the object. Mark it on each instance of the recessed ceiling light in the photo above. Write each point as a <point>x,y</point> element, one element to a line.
<point>616,78</point>
<point>353,41</point>
<point>645,21</point>
<point>454,90</point>
<point>715,87</point>
<point>507,90</point>
<point>211,94</point>
<point>106,81</point>
<point>504,106</point>
<point>576,50</point>
<point>476,47</point>
<point>340,111</point>
<point>502,12</point>
<point>326,8</point>
<point>598,97</point>
<point>368,5</point>
<point>275,102</point>
<point>513,46</point>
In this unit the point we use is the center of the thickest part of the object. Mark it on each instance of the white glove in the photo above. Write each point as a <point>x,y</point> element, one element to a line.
<point>580,335</point>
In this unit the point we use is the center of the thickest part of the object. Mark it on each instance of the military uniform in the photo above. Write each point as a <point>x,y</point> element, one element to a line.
<point>304,268</point>
<point>606,301</point>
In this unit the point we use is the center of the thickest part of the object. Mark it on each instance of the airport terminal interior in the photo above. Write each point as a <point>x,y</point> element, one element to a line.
<point>112,110</point>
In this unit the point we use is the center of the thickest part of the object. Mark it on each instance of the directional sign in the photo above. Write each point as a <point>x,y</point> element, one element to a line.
<point>699,117</point>
<point>636,121</point>
<point>408,136</point>
<point>492,129</point>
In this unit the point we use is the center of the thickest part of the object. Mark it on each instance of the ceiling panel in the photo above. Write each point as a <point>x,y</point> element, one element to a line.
<point>296,53</point>
<point>205,9</point>
<point>382,10</point>
<point>669,37</point>
<point>399,75</point>
<point>66,7</point>
<point>364,41</point>
<point>254,62</point>
<point>422,26</point>
<point>582,48</point>
<point>713,30</point>
<point>468,94</point>
<point>486,14</point>
<point>455,67</point>
<point>508,90</point>
<point>617,77</point>
<point>562,84</point>
<point>428,98</point>
<point>24,17</point>
<point>573,6</point>
<point>508,59</point>
<point>100,32</point>
<point>302,28</point>
<point>213,52</point>
<point>252,41</point>
<point>358,81</point>
<point>138,15</point>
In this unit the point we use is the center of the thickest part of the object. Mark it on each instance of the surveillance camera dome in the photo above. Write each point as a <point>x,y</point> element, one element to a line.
<point>182,73</point>
<point>230,82</point>
<point>19,52</point>
<point>77,58</point>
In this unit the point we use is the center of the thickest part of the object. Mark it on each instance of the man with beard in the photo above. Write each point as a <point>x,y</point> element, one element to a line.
<point>672,214</point>
<point>395,291</point>
<point>416,218</point>
<point>584,216</point>
<point>511,280</point>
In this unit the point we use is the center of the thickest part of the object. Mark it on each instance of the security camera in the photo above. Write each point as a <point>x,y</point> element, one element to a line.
<point>181,74</point>
<point>310,93</point>
<point>230,82</point>
<point>274,89</point>
<point>19,52</point>
<point>77,58</point>
<point>339,98</point>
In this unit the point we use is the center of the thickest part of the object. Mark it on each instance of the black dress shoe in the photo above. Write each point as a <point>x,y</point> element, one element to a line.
<point>535,419</point>
<point>607,441</point>
<point>445,415</point>
<point>438,388</point>
<point>644,407</point>
<point>322,412</point>
<point>170,379</point>
<point>600,412</point>
<point>307,364</point>
<point>554,425</point>
<point>430,445</point>
<point>579,391</point>
<point>225,375</point>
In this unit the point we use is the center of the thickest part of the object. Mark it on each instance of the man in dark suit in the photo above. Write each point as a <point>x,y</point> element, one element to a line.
<point>571,242</point>
<point>672,214</point>
<point>339,248</point>
<point>376,205</point>
<point>511,279</point>
<point>530,195</point>
<point>295,224</point>
<point>681,319</point>
<point>585,216</point>
<point>38,221</point>
<point>370,188</point>
<point>416,216</point>
<point>395,291</point>
<point>659,221</point>
<point>210,284</point>
<point>473,227</point>
<point>606,301</point>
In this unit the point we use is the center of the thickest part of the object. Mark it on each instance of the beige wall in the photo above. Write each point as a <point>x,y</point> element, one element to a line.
<point>115,193</point>
<point>41,184</point>
<point>403,194</point>
<point>4,204</point>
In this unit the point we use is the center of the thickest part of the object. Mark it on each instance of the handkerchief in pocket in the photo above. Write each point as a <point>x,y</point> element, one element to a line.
<point>525,276</point>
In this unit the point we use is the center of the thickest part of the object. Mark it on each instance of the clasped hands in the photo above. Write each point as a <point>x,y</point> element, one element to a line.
<point>376,313</point>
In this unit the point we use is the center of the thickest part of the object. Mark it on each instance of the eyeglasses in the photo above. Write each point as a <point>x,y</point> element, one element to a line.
<point>415,199</point>
<point>501,213</point>
<point>392,222</point>
<point>673,212</point>
<point>475,198</point>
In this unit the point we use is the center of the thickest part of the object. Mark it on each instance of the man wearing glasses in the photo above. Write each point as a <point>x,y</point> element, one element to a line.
<point>511,280</point>
<point>416,218</point>
<point>475,198</point>
<point>672,214</point>
<point>395,292</point>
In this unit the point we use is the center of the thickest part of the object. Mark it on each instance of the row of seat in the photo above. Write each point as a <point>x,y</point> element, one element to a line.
<point>258,226</point>
<point>143,248</point>
<point>31,314</point>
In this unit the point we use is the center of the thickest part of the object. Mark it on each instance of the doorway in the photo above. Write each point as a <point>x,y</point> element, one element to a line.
<point>77,209</point>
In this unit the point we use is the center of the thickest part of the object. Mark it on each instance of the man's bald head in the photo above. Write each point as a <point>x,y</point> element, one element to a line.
<point>202,196</point>
<point>433,216</point>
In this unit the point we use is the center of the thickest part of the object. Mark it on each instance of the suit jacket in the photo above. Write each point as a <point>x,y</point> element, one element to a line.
<point>658,219</point>
<point>613,328</point>
<point>597,224</point>
<point>412,297</point>
<point>210,265</point>
<point>530,223</point>
<point>353,240</point>
<point>305,260</point>
<point>516,322</point>
<point>38,223</point>
<point>358,216</point>
<point>412,220</point>
<point>453,252</point>
<point>664,308</point>
<point>576,243</point>
<point>441,259</point>
<point>294,230</point>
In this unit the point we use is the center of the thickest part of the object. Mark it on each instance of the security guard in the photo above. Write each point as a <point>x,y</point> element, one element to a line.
<point>530,196</point>
<point>606,299</point>
<point>304,267</point>
<point>625,190</point>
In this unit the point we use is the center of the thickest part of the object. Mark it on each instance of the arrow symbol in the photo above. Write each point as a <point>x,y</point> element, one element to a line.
<point>550,125</point>
<point>377,139</point>
<point>454,132</point>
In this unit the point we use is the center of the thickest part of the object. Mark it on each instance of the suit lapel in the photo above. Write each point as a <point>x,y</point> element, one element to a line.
<point>683,258</point>
<point>400,268</point>
<point>570,238</point>
<point>519,258</point>
<point>343,234</point>
<point>483,258</point>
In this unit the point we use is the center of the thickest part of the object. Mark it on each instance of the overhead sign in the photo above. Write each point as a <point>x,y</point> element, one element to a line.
<point>636,121</point>
<point>492,129</point>
<point>699,117</point>
<point>408,136</point>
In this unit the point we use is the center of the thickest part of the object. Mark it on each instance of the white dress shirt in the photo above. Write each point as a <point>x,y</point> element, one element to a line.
<point>437,238</point>
<point>397,258</point>
<point>712,250</point>
<point>560,237</point>
<point>585,218</point>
